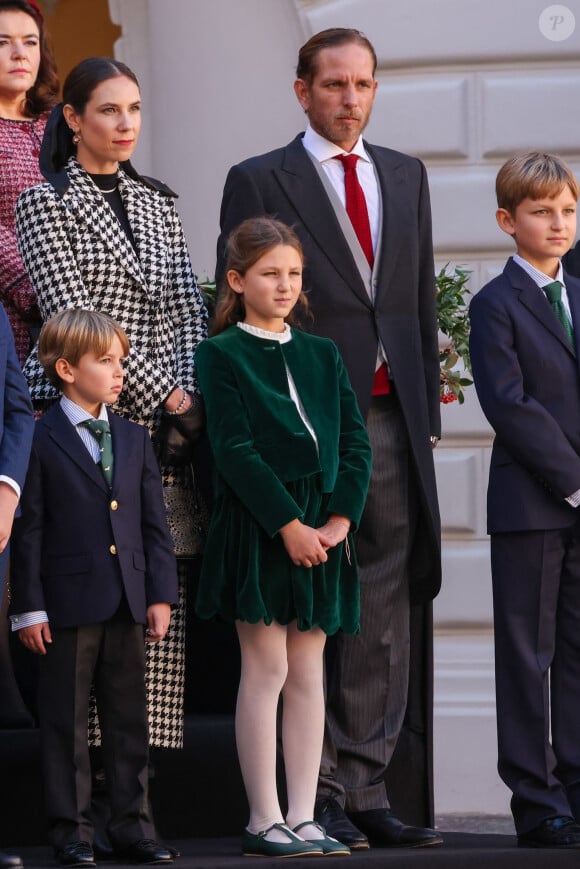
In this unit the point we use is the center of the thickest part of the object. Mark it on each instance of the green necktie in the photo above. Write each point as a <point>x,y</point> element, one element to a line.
<point>553,292</point>
<point>101,431</point>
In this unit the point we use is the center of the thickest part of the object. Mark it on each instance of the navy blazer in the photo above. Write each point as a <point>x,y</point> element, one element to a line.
<point>527,378</point>
<point>284,183</point>
<point>16,419</point>
<point>78,544</point>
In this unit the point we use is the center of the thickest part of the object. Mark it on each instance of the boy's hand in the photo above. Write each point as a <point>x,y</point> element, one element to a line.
<point>158,619</point>
<point>334,530</point>
<point>8,505</point>
<point>303,544</point>
<point>34,637</point>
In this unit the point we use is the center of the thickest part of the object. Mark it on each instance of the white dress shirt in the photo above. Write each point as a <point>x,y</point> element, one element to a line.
<point>325,152</point>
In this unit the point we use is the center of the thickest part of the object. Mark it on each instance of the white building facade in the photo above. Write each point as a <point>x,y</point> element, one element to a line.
<point>463,85</point>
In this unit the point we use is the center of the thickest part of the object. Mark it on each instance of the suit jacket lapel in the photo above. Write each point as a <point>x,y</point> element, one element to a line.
<point>301,184</point>
<point>573,292</point>
<point>121,450</point>
<point>536,302</point>
<point>65,435</point>
<point>391,178</point>
<point>86,202</point>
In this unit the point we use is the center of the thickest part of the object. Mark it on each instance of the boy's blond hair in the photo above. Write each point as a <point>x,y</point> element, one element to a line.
<point>72,333</point>
<point>532,176</point>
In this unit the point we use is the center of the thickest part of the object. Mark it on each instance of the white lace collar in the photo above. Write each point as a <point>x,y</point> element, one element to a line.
<point>281,337</point>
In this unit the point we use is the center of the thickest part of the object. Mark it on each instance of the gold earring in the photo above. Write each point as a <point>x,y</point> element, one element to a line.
<point>76,138</point>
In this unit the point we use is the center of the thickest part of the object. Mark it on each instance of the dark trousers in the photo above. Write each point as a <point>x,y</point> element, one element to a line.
<point>536,595</point>
<point>112,655</point>
<point>368,674</point>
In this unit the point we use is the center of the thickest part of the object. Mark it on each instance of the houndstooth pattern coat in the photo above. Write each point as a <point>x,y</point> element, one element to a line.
<point>77,255</point>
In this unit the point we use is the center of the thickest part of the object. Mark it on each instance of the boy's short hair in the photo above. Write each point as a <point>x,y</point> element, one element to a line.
<point>532,176</point>
<point>72,333</point>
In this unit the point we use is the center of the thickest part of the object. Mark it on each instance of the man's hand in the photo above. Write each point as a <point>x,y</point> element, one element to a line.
<point>303,544</point>
<point>8,505</point>
<point>35,637</point>
<point>158,620</point>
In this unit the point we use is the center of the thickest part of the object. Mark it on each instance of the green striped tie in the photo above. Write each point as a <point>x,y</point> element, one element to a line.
<point>553,292</point>
<point>101,431</point>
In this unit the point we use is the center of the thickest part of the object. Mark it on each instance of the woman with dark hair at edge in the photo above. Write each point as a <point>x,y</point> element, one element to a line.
<point>28,91</point>
<point>98,235</point>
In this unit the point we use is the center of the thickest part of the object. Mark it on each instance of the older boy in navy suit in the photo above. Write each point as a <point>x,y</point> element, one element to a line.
<point>525,329</point>
<point>92,563</point>
<point>16,428</point>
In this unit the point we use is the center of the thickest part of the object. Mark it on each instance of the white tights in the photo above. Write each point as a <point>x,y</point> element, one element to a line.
<point>280,659</point>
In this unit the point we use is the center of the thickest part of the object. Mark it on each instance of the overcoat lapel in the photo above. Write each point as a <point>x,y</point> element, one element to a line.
<point>84,199</point>
<point>392,179</point>
<point>65,435</point>
<point>537,304</point>
<point>300,182</point>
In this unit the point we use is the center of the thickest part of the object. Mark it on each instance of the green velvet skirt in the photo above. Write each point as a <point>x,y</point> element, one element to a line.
<point>248,575</point>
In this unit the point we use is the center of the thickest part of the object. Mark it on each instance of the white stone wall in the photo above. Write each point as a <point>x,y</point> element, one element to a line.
<point>462,84</point>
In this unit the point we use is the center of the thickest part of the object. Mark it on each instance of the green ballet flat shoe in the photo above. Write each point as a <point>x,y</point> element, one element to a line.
<point>256,844</point>
<point>328,844</point>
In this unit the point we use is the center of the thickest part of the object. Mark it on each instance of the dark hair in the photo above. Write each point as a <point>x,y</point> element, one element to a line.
<point>533,175</point>
<point>57,144</point>
<point>82,80</point>
<point>245,246</point>
<point>44,92</point>
<point>308,54</point>
<point>72,333</point>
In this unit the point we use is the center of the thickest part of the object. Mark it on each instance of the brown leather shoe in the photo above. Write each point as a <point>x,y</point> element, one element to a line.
<point>386,831</point>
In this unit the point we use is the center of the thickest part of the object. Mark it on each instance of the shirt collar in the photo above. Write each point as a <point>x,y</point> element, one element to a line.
<point>77,414</point>
<point>323,150</point>
<point>536,275</point>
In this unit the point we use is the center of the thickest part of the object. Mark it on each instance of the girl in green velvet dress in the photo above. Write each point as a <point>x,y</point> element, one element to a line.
<point>293,463</point>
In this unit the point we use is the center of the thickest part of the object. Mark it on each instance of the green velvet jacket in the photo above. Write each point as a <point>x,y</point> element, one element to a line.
<point>257,436</point>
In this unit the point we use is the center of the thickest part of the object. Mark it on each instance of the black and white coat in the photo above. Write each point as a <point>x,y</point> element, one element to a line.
<point>78,255</point>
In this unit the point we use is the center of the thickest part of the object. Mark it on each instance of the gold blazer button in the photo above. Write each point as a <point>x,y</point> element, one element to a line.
<point>114,505</point>
<point>113,549</point>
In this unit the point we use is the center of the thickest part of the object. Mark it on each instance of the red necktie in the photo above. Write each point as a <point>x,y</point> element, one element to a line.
<point>356,205</point>
<point>356,208</point>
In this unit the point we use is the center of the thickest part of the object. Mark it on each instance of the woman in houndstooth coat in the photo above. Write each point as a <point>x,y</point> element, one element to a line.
<point>97,235</point>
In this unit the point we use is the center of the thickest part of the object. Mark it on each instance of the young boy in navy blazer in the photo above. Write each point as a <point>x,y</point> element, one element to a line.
<point>525,330</point>
<point>92,563</point>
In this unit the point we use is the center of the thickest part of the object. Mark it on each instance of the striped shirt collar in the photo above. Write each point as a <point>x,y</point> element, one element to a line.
<point>76,414</point>
<point>536,275</point>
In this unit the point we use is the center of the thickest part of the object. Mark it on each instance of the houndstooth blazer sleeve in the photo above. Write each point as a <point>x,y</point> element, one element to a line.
<point>77,255</point>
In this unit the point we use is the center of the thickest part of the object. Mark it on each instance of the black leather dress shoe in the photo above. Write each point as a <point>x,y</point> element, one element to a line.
<point>386,831</point>
<point>561,832</point>
<point>145,851</point>
<point>330,815</point>
<point>76,854</point>
<point>10,861</point>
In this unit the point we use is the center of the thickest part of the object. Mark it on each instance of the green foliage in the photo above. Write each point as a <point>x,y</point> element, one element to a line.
<point>453,319</point>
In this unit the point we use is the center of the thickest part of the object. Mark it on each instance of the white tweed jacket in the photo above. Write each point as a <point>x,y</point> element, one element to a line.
<point>77,255</point>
